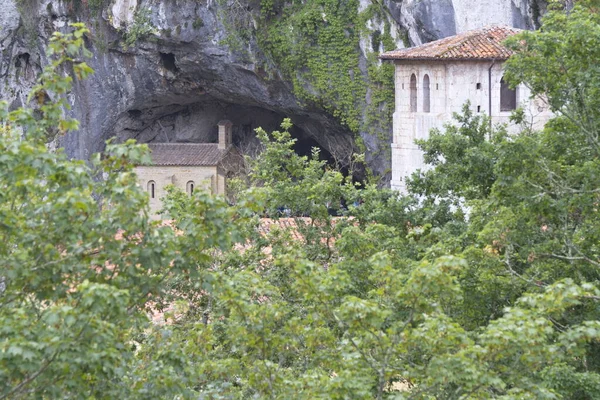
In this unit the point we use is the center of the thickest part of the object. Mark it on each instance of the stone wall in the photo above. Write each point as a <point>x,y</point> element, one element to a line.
<point>452,84</point>
<point>207,178</point>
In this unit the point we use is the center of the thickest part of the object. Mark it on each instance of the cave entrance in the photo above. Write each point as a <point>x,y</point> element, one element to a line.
<point>197,123</point>
<point>304,145</point>
<point>246,140</point>
<point>247,118</point>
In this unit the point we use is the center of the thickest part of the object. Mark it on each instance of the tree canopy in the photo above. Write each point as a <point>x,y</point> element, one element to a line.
<point>482,283</point>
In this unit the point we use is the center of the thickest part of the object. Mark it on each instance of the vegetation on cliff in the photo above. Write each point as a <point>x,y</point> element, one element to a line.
<point>316,45</point>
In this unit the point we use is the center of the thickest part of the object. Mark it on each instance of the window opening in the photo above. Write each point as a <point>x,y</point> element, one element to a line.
<point>426,94</point>
<point>478,86</point>
<point>478,108</point>
<point>413,93</point>
<point>508,97</point>
<point>152,189</point>
<point>190,187</point>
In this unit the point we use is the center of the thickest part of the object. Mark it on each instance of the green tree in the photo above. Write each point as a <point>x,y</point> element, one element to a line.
<point>384,311</point>
<point>536,222</point>
<point>463,156</point>
<point>77,272</point>
<point>399,298</point>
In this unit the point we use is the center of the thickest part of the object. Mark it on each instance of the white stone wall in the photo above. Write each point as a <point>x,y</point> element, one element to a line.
<point>203,177</point>
<point>452,84</point>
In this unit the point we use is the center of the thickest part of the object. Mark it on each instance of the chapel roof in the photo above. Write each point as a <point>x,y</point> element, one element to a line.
<point>186,154</point>
<point>478,44</point>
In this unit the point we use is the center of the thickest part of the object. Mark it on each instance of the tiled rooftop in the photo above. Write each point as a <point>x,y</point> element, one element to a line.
<point>480,44</point>
<point>189,154</point>
<point>286,224</point>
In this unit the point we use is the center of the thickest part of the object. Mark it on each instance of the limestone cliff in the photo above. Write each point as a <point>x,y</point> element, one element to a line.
<point>168,70</point>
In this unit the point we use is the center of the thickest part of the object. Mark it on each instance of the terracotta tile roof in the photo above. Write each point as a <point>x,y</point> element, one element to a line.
<point>286,224</point>
<point>190,154</point>
<point>479,44</point>
<point>291,225</point>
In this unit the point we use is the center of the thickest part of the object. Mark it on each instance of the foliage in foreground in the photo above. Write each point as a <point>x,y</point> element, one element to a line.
<point>400,299</point>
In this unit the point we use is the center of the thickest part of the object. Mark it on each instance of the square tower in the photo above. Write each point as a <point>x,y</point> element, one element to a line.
<point>435,80</point>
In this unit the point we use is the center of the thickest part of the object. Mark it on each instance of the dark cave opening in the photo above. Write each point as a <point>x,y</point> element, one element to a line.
<point>22,60</point>
<point>197,123</point>
<point>168,62</point>
<point>305,144</point>
<point>134,113</point>
<point>247,119</point>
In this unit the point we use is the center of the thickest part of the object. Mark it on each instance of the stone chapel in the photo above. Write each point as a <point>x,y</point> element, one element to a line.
<point>435,80</point>
<point>188,166</point>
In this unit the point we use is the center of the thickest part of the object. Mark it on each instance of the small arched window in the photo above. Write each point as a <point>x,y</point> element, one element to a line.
<point>190,187</point>
<point>413,93</point>
<point>508,97</point>
<point>152,189</point>
<point>426,94</point>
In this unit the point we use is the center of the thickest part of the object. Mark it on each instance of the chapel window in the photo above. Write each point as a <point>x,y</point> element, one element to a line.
<point>426,94</point>
<point>508,97</point>
<point>152,189</point>
<point>413,93</point>
<point>190,187</point>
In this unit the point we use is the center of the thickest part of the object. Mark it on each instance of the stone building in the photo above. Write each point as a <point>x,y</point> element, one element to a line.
<point>188,166</point>
<point>435,80</point>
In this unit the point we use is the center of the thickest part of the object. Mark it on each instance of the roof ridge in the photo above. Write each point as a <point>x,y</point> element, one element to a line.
<point>468,45</point>
<point>186,154</point>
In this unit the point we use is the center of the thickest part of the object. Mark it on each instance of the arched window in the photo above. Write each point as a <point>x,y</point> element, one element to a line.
<point>190,187</point>
<point>426,94</point>
<point>413,93</point>
<point>152,189</point>
<point>508,97</point>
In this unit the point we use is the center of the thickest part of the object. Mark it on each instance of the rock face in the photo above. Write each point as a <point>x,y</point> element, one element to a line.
<point>179,76</point>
